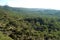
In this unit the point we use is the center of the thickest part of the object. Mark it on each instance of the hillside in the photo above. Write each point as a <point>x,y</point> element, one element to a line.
<point>18,24</point>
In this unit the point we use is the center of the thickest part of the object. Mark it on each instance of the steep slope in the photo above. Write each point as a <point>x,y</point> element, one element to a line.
<point>23,27</point>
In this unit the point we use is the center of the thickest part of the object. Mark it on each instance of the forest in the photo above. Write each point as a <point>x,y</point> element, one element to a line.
<point>29,24</point>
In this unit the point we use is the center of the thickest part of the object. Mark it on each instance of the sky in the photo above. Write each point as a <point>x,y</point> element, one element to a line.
<point>48,4</point>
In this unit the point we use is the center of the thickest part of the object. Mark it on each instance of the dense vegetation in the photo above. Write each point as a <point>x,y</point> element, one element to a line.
<point>19,26</point>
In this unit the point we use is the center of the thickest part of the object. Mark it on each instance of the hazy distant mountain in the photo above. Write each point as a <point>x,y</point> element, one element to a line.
<point>32,10</point>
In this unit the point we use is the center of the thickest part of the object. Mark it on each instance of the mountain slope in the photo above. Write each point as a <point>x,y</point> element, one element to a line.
<point>26,27</point>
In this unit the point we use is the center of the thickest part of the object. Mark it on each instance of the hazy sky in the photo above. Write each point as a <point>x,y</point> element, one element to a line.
<point>50,4</point>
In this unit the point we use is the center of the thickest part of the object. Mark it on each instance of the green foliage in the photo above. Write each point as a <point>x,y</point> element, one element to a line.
<point>28,27</point>
<point>4,37</point>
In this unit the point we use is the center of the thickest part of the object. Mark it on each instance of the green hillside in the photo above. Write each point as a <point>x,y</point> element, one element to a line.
<point>28,24</point>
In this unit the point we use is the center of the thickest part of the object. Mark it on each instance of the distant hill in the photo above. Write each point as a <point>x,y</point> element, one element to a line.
<point>33,11</point>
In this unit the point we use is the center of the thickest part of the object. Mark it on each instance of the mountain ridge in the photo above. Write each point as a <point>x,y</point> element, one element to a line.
<point>38,11</point>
